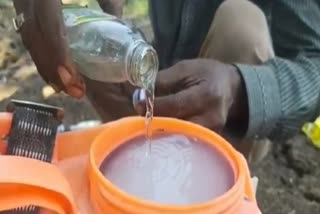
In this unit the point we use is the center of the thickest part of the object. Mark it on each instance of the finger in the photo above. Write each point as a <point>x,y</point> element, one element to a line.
<point>68,81</point>
<point>169,80</point>
<point>59,80</point>
<point>76,81</point>
<point>209,120</point>
<point>42,59</point>
<point>108,100</point>
<point>53,31</point>
<point>179,105</point>
<point>44,64</point>
<point>199,120</point>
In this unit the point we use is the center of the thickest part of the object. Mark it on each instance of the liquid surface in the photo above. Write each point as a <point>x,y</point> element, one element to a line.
<point>178,171</point>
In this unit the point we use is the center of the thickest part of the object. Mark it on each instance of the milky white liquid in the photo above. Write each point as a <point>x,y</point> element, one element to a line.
<point>178,171</point>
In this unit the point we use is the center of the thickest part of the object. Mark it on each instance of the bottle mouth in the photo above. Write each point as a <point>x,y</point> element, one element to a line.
<point>142,64</point>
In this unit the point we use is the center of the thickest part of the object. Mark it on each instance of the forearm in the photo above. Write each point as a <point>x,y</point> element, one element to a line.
<point>22,6</point>
<point>282,95</point>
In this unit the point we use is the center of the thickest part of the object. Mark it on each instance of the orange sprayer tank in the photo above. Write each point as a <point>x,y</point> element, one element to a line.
<point>73,184</point>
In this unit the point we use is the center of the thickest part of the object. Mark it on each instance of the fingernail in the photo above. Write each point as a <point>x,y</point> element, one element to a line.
<point>65,76</point>
<point>75,92</point>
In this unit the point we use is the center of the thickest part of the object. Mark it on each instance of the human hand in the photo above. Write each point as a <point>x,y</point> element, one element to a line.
<point>111,100</point>
<point>44,36</point>
<point>203,91</point>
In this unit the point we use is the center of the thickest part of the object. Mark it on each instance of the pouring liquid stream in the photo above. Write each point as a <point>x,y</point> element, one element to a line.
<point>149,91</point>
<point>149,114</point>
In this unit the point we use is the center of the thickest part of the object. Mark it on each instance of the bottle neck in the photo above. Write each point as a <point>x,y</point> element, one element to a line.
<point>142,64</point>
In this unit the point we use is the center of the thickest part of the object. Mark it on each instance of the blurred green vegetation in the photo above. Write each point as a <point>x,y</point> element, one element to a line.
<point>136,8</point>
<point>90,3</point>
<point>5,3</point>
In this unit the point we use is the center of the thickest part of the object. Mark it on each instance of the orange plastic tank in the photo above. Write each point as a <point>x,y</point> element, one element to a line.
<point>73,183</point>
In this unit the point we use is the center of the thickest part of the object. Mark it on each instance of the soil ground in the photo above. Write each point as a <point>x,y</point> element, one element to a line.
<point>289,177</point>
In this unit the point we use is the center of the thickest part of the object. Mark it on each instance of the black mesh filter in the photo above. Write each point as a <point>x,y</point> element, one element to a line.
<point>23,210</point>
<point>32,135</point>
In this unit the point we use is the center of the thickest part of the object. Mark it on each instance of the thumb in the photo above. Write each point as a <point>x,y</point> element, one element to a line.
<point>175,105</point>
<point>72,82</point>
<point>169,80</point>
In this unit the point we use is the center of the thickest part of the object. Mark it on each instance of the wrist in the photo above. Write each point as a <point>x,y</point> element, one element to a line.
<point>239,108</point>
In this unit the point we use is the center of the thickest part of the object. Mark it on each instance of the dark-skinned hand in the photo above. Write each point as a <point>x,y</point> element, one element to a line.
<point>203,91</point>
<point>43,34</point>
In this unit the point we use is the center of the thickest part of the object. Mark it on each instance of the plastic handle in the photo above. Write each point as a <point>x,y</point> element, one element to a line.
<point>249,191</point>
<point>30,182</point>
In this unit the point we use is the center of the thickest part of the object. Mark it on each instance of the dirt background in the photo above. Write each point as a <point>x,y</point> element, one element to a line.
<point>289,177</point>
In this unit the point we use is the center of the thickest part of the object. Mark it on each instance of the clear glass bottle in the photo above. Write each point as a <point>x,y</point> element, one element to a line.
<point>105,49</point>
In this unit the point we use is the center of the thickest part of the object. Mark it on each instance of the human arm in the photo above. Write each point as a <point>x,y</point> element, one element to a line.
<point>281,94</point>
<point>44,36</point>
<point>203,91</point>
<point>284,92</point>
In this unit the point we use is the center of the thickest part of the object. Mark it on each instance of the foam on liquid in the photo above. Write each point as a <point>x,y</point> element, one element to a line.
<point>179,171</point>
